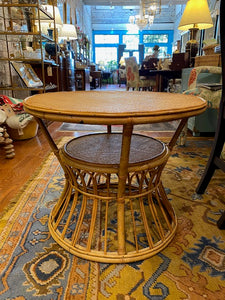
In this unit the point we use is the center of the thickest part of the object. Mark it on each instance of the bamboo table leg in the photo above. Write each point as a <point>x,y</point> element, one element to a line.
<point>123,171</point>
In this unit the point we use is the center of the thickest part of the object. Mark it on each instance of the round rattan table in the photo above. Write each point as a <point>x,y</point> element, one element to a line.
<point>113,207</point>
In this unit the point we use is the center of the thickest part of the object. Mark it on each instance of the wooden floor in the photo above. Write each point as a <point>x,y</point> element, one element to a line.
<point>14,173</point>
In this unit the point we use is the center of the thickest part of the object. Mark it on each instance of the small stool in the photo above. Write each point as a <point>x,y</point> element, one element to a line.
<point>85,219</point>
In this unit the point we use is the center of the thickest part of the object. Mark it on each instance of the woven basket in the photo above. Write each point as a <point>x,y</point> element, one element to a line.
<point>29,131</point>
<point>208,60</point>
<point>209,50</point>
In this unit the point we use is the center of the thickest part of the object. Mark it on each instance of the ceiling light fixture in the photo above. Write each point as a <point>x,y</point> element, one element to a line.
<point>153,7</point>
<point>148,10</point>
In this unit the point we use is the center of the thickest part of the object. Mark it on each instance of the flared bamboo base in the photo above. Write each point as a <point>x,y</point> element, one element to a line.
<point>91,221</point>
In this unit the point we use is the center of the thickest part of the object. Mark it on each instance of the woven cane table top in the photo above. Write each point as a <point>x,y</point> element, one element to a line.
<point>113,107</point>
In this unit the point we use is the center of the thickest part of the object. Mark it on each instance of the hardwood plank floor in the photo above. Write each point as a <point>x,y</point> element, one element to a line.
<point>14,173</point>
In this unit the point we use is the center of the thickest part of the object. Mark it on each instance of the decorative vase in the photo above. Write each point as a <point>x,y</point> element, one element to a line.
<point>50,48</point>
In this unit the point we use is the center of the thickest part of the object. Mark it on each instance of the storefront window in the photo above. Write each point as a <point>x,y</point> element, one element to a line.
<point>106,58</point>
<point>106,45</point>
<point>106,39</point>
<point>136,54</point>
<point>162,51</point>
<point>155,38</point>
<point>131,41</point>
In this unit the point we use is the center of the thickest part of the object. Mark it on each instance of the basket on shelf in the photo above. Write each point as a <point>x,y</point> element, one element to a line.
<point>210,49</point>
<point>208,60</point>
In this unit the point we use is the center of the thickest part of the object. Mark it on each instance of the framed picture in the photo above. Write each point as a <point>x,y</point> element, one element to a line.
<point>27,74</point>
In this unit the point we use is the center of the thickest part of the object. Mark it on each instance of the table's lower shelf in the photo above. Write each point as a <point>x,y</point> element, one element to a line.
<point>85,219</point>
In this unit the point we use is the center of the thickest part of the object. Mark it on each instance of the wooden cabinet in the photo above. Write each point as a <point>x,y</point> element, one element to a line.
<point>180,61</point>
<point>50,74</point>
<point>69,71</point>
<point>66,74</point>
<point>82,79</point>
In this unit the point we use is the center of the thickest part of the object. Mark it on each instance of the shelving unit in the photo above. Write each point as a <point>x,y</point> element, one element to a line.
<point>82,51</point>
<point>20,31</point>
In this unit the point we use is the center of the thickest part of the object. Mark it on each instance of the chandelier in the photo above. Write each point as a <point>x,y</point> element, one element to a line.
<point>148,10</point>
<point>152,7</point>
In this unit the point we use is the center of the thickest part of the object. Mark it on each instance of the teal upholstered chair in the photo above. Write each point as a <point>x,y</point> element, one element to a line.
<point>206,122</point>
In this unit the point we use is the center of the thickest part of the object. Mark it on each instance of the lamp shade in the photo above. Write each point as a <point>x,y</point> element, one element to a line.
<point>196,15</point>
<point>49,9</point>
<point>122,61</point>
<point>68,32</point>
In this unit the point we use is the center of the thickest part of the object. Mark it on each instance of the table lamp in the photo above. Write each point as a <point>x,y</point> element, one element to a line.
<point>122,61</point>
<point>196,16</point>
<point>68,32</point>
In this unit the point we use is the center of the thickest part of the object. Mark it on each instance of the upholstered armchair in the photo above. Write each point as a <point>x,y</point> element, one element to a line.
<point>134,81</point>
<point>206,122</point>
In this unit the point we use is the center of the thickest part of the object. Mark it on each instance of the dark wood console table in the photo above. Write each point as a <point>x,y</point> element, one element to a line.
<point>162,77</point>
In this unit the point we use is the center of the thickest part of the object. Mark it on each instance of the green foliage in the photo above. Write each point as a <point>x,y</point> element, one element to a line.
<point>112,65</point>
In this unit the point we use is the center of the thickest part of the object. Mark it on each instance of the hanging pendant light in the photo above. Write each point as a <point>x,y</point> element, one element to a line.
<point>141,20</point>
<point>153,7</point>
<point>148,10</point>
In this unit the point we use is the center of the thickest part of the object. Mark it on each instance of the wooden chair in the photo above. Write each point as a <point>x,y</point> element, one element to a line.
<point>122,75</point>
<point>215,161</point>
<point>133,79</point>
<point>96,79</point>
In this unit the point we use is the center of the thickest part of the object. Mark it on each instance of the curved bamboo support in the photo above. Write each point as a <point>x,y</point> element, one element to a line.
<point>116,216</point>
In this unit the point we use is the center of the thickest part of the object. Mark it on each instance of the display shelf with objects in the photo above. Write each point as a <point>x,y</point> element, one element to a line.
<point>82,48</point>
<point>23,59</point>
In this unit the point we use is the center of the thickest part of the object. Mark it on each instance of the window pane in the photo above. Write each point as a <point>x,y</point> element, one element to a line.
<point>131,41</point>
<point>126,54</point>
<point>106,39</point>
<point>136,54</point>
<point>155,38</point>
<point>162,51</point>
<point>106,57</point>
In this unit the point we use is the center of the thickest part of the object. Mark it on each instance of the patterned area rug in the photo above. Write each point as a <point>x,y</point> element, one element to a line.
<point>33,266</point>
<point>166,126</point>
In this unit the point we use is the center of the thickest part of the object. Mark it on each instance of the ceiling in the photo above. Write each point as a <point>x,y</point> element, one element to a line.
<point>127,2</point>
<point>114,14</point>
